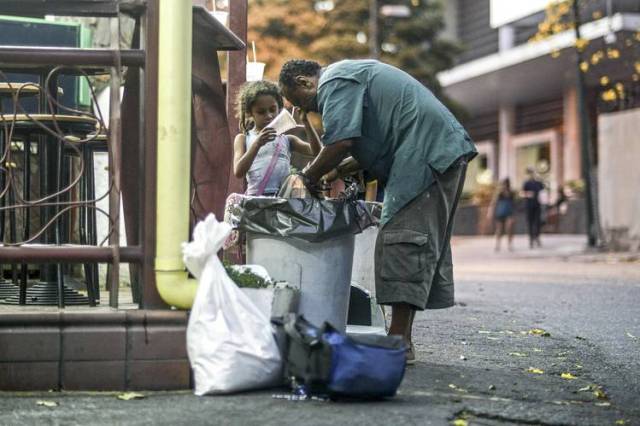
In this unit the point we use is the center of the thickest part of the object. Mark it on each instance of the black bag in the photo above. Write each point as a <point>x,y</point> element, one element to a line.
<point>329,363</point>
<point>310,219</point>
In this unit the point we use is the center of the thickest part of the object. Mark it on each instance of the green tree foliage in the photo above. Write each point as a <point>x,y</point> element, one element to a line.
<point>614,65</point>
<point>285,29</point>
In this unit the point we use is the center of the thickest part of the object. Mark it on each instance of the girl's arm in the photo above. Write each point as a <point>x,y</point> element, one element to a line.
<point>242,160</point>
<point>300,146</point>
<point>242,157</point>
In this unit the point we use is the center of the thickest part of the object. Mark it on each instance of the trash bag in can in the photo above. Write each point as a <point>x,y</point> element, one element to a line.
<point>310,220</point>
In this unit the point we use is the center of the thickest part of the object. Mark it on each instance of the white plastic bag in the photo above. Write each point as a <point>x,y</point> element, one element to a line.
<point>229,340</point>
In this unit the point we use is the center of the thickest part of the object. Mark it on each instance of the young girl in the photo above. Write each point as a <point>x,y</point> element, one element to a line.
<point>259,154</point>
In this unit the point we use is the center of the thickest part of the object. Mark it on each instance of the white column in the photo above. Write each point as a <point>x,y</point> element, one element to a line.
<point>572,162</point>
<point>506,162</point>
<point>506,37</point>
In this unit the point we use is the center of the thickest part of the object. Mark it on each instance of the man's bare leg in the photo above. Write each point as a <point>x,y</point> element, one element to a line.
<point>402,315</point>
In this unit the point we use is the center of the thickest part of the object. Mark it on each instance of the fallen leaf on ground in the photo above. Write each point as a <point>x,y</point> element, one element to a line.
<point>578,366</point>
<point>621,422</point>
<point>597,391</point>
<point>128,396</point>
<point>600,394</point>
<point>47,403</point>
<point>631,336</point>
<point>535,370</point>
<point>537,350</point>
<point>454,387</point>
<point>568,376</point>
<point>460,422</point>
<point>518,354</point>
<point>539,332</point>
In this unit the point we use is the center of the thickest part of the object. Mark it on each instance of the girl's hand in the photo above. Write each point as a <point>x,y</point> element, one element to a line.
<point>265,136</point>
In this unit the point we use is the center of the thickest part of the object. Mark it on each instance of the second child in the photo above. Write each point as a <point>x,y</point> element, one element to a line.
<point>259,154</point>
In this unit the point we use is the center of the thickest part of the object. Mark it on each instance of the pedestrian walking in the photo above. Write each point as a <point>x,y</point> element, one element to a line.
<point>531,190</point>
<point>394,128</point>
<point>501,212</point>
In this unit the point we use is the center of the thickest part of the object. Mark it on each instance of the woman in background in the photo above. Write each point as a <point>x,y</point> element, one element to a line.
<point>501,211</point>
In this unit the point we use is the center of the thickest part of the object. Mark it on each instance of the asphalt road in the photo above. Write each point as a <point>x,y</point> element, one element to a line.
<point>479,362</point>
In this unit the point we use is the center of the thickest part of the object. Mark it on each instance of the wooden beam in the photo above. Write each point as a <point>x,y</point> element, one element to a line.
<point>33,57</point>
<point>236,74</point>
<point>107,8</point>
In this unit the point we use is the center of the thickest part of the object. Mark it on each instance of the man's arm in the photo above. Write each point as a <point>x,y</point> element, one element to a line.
<point>347,167</point>
<point>328,159</point>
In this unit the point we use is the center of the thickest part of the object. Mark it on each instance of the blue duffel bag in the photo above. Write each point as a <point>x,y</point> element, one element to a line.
<point>330,363</point>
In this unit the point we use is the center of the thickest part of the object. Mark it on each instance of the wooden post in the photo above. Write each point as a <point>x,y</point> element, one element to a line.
<point>236,76</point>
<point>115,139</point>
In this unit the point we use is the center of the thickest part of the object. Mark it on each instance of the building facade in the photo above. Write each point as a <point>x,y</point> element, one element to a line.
<point>521,95</point>
<point>522,100</point>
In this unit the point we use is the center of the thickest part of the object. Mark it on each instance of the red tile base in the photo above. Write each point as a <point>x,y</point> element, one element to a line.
<point>144,350</point>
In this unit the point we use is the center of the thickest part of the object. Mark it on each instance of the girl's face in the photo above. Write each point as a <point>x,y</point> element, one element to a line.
<point>263,110</point>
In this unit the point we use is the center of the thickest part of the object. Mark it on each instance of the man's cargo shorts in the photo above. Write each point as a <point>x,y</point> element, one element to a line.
<point>413,253</point>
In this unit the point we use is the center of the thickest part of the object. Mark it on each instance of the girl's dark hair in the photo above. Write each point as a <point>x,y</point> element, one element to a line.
<point>248,94</point>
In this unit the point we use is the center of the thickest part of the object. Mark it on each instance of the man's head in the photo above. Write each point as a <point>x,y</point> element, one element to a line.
<point>531,172</point>
<point>299,83</point>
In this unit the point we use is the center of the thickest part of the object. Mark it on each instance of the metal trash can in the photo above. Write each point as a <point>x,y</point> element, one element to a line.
<point>309,244</point>
<point>321,270</point>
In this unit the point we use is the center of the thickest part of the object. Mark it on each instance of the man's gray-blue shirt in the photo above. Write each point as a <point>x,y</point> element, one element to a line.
<point>402,132</point>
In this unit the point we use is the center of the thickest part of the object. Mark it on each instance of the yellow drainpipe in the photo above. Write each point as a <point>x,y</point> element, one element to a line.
<point>174,152</point>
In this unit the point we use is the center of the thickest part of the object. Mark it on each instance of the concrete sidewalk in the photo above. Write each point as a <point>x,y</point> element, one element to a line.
<point>571,248</point>
<point>482,362</point>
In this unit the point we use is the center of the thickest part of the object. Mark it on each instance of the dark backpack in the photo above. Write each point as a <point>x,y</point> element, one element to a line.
<point>330,363</point>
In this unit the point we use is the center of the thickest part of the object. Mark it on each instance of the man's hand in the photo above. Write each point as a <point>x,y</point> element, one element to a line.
<point>327,160</point>
<point>331,176</point>
<point>315,189</point>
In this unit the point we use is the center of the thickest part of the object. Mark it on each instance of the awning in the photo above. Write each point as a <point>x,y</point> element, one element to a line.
<point>209,31</point>
<point>528,72</point>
